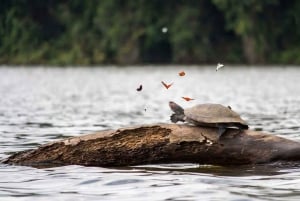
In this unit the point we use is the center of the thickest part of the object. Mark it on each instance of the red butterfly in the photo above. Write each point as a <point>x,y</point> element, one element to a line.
<point>182,73</point>
<point>166,85</point>
<point>187,98</point>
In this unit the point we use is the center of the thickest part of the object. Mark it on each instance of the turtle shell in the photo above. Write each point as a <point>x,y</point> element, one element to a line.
<point>213,114</point>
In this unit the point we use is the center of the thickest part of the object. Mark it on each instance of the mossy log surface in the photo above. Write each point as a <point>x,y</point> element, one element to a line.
<point>161,143</point>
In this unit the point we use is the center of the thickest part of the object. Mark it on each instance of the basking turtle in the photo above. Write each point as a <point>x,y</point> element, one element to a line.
<point>209,115</point>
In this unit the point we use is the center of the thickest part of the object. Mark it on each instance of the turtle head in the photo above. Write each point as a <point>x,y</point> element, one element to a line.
<point>179,112</point>
<point>176,108</point>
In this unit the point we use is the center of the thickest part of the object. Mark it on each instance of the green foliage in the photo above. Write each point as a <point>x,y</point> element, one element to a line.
<point>129,32</point>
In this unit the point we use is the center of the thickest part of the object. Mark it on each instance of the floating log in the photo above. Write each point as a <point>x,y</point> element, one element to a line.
<point>162,143</point>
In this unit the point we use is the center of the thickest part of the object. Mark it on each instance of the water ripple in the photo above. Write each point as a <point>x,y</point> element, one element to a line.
<point>45,104</point>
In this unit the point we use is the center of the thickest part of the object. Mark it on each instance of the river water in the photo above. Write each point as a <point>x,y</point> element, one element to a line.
<point>40,105</point>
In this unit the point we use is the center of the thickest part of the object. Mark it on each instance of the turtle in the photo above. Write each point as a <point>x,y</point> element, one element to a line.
<point>208,115</point>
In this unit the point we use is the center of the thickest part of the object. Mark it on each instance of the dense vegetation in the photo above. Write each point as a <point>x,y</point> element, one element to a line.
<point>87,32</point>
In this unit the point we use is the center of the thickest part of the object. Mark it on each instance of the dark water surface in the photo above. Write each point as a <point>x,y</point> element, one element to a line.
<point>40,105</point>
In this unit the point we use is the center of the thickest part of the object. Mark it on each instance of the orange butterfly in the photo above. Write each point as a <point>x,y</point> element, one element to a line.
<point>182,73</point>
<point>166,85</point>
<point>187,98</point>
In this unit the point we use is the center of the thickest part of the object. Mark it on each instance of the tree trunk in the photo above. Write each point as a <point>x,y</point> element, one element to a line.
<point>249,46</point>
<point>162,143</point>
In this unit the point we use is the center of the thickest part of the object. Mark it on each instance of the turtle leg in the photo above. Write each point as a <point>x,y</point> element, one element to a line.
<point>174,118</point>
<point>221,131</point>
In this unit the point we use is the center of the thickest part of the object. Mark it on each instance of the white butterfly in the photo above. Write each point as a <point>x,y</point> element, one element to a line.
<point>164,29</point>
<point>219,66</point>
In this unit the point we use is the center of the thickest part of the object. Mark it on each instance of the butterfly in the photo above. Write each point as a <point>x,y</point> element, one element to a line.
<point>140,88</point>
<point>219,66</point>
<point>182,73</point>
<point>166,85</point>
<point>187,98</point>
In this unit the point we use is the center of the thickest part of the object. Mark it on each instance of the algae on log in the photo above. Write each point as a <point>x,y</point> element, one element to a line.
<point>162,143</point>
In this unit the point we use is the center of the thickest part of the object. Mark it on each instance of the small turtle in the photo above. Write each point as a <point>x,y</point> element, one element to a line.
<point>209,115</point>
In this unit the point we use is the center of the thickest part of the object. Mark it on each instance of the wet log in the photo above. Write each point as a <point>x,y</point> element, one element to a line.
<point>162,143</point>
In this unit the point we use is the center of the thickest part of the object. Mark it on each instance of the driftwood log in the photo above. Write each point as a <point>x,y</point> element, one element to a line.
<point>162,143</point>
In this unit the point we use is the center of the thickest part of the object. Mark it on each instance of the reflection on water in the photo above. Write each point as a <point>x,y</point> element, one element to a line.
<point>39,105</point>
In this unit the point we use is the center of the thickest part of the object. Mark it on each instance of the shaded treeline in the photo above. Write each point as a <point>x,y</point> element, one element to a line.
<point>62,32</point>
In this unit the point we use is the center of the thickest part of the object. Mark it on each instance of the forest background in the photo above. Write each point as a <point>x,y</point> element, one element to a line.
<point>96,32</point>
